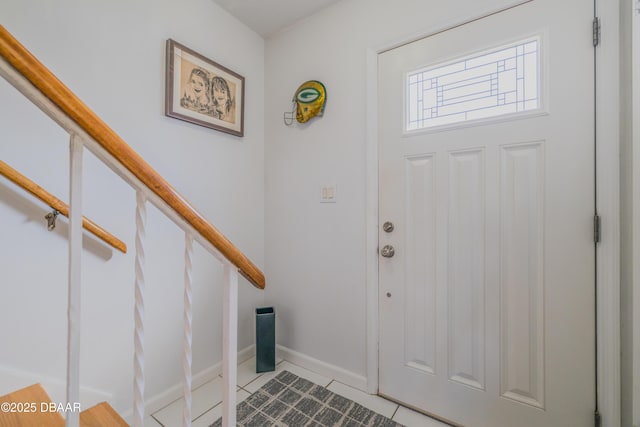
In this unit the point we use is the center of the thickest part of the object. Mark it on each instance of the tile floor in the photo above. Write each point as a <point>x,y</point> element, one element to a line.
<point>207,407</point>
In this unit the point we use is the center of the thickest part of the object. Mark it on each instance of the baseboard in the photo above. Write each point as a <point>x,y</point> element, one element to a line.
<point>331,371</point>
<point>14,379</point>
<point>155,403</point>
<point>159,401</point>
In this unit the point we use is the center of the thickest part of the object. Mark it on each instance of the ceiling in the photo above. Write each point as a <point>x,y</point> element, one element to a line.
<point>267,17</point>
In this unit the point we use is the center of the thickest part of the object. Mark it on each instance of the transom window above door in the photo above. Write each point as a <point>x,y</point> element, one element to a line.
<point>492,83</point>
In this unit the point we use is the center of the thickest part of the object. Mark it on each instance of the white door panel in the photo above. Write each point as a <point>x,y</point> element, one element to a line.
<point>490,316</point>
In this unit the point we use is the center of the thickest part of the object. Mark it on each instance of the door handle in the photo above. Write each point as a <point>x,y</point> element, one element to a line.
<point>387,251</point>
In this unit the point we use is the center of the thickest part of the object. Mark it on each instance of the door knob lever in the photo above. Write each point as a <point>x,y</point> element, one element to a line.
<point>387,251</point>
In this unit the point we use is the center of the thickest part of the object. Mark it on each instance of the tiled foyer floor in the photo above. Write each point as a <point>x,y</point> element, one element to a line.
<point>207,399</point>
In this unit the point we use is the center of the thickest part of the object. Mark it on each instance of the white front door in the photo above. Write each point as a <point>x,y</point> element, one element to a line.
<point>487,303</point>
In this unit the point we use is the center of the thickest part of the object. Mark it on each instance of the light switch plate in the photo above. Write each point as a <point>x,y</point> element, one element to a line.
<point>328,193</point>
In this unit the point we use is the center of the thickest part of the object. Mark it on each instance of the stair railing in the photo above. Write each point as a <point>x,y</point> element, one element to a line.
<point>58,206</point>
<point>25,72</point>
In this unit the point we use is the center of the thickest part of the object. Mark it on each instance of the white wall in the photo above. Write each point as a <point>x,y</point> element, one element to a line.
<point>316,258</point>
<point>111,54</point>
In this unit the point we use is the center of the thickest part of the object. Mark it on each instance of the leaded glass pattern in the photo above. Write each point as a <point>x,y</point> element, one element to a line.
<point>492,83</point>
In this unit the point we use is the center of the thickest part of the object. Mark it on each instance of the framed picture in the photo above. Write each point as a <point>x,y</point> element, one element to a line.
<point>203,92</point>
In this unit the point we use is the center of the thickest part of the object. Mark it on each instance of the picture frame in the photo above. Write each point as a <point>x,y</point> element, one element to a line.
<point>201,91</point>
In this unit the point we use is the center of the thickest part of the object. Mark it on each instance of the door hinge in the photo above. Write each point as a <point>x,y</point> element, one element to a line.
<point>596,31</point>
<point>636,7</point>
<point>596,228</point>
<point>597,419</point>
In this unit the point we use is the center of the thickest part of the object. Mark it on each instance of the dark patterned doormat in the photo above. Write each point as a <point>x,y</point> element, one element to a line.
<point>288,400</point>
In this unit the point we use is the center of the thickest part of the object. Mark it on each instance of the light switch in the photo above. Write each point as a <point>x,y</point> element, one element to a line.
<point>328,193</point>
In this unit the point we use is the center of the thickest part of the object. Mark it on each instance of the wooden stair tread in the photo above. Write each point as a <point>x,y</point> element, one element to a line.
<point>31,396</point>
<point>101,415</point>
<point>29,407</point>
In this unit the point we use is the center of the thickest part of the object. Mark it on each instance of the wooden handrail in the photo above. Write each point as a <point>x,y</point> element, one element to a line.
<point>22,181</point>
<point>51,87</point>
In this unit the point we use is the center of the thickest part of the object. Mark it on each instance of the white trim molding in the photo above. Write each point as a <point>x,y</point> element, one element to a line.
<point>372,221</point>
<point>608,204</point>
<point>323,368</point>
<point>635,250</point>
<point>155,403</point>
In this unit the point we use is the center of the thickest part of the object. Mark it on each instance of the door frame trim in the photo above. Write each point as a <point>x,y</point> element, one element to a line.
<point>608,205</point>
<point>608,263</point>
<point>634,347</point>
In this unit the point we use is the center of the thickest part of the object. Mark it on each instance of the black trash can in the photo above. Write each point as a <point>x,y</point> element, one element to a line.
<point>265,339</point>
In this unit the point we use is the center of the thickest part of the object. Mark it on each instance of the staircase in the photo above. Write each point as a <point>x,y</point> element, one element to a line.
<point>86,130</point>
<point>32,407</point>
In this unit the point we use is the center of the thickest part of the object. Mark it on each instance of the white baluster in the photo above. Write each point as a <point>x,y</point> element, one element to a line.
<point>188,320</point>
<point>138,358</point>
<point>75,260</point>
<point>230,345</point>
